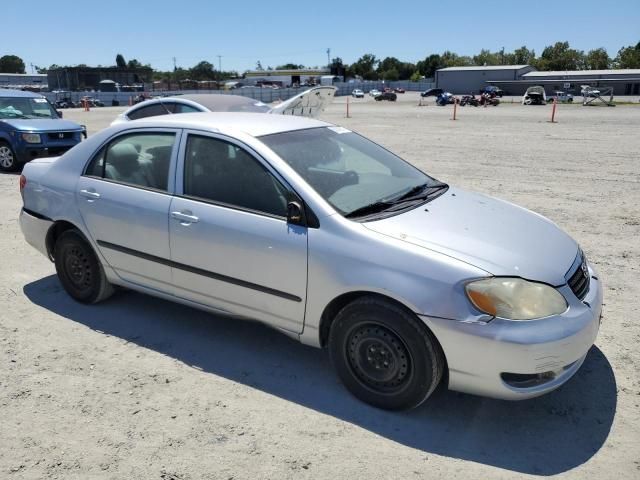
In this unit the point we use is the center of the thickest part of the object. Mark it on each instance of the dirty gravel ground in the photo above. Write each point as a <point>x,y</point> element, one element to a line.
<point>141,388</point>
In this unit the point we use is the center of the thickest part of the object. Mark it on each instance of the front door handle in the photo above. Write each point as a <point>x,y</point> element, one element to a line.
<point>185,217</point>
<point>90,194</point>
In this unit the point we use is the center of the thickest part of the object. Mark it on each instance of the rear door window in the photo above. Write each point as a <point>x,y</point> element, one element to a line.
<point>139,159</point>
<point>149,111</point>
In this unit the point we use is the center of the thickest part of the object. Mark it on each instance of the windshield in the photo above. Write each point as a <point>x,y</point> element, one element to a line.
<point>21,107</point>
<point>350,172</point>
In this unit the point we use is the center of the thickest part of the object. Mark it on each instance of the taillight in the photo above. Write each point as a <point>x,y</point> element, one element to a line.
<point>23,182</point>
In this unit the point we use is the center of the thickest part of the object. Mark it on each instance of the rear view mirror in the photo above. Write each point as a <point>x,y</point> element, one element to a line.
<point>295,214</point>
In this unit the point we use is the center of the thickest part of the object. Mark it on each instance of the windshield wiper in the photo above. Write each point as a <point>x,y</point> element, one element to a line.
<point>374,207</point>
<point>420,191</point>
<point>414,196</point>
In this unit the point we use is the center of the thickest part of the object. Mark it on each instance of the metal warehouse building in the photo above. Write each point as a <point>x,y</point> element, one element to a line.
<point>461,80</point>
<point>35,81</point>
<point>624,82</point>
<point>515,79</point>
<point>285,78</point>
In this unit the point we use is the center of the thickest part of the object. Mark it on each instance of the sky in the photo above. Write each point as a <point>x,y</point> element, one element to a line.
<point>276,32</point>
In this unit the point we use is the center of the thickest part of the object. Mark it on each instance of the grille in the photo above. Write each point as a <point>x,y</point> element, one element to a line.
<point>60,135</point>
<point>579,280</point>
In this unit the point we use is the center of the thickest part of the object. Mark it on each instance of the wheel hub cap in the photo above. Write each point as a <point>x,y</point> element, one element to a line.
<point>6,157</point>
<point>378,357</point>
<point>78,268</point>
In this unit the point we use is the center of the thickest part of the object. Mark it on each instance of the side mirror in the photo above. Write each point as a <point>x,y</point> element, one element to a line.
<point>295,213</point>
<point>59,112</point>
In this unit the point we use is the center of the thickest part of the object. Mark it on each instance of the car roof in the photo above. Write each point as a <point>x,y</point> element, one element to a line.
<point>5,92</point>
<point>215,102</point>
<point>254,124</point>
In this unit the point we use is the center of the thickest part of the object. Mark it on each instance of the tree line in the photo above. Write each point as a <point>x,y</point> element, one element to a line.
<point>559,56</point>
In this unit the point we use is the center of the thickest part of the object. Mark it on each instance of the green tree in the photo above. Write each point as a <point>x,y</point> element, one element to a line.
<point>120,61</point>
<point>289,66</point>
<point>597,59</point>
<point>339,68</point>
<point>415,77</point>
<point>485,57</point>
<point>389,63</point>
<point>450,59</point>
<point>11,64</point>
<point>365,66</point>
<point>202,71</point>
<point>391,75</point>
<point>523,56</point>
<point>628,57</point>
<point>134,64</point>
<point>561,56</point>
<point>429,65</point>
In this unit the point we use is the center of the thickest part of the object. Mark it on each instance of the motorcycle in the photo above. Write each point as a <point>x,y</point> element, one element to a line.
<point>469,100</point>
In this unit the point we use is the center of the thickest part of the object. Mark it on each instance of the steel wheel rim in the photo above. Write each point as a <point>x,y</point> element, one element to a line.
<point>6,157</point>
<point>78,268</point>
<point>379,358</point>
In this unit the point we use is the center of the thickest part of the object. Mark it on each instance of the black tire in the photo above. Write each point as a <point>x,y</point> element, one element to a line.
<point>8,160</point>
<point>384,355</point>
<point>79,270</point>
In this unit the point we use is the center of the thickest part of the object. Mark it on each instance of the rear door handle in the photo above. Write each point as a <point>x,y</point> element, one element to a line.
<point>185,217</point>
<point>90,194</point>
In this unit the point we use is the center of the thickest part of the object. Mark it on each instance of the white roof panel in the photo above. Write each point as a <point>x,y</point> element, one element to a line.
<point>582,73</point>
<point>484,67</point>
<point>254,124</point>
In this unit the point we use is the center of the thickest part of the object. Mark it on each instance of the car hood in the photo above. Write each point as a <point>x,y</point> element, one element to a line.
<point>496,236</point>
<point>42,124</point>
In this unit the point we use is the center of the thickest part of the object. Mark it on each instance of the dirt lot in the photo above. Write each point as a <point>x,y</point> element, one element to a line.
<point>140,388</point>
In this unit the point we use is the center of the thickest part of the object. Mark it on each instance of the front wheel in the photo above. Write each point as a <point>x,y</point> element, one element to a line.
<point>8,160</point>
<point>384,355</point>
<point>79,269</point>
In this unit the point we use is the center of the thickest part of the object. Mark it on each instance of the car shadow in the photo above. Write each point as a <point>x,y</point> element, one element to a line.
<point>542,436</point>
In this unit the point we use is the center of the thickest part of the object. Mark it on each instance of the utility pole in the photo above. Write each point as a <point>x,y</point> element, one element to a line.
<point>174,64</point>
<point>502,56</point>
<point>219,67</point>
<point>328,58</point>
<point>32,69</point>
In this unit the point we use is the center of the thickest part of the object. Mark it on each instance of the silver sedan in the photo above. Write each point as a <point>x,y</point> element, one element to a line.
<point>328,237</point>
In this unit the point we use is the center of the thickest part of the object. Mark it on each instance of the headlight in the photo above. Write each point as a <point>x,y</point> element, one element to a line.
<point>515,298</point>
<point>31,137</point>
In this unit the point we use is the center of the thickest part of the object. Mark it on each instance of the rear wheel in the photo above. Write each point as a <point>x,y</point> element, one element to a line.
<point>383,355</point>
<point>8,160</point>
<point>79,270</point>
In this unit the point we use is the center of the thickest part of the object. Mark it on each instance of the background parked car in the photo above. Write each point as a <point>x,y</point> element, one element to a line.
<point>491,90</point>
<point>399,90</point>
<point>432,92</point>
<point>357,93</point>
<point>31,128</point>
<point>308,103</point>
<point>386,96</point>
<point>563,97</point>
<point>64,103</point>
<point>374,93</point>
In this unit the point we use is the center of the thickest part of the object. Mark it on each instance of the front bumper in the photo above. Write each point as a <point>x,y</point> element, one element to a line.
<point>35,230</point>
<point>27,152</point>
<point>551,349</point>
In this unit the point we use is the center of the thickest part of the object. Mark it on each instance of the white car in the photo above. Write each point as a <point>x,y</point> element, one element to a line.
<point>562,97</point>
<point>328,237</point>
<point>309,103</point>
<point>357,93</point>
<point>374,93</point>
